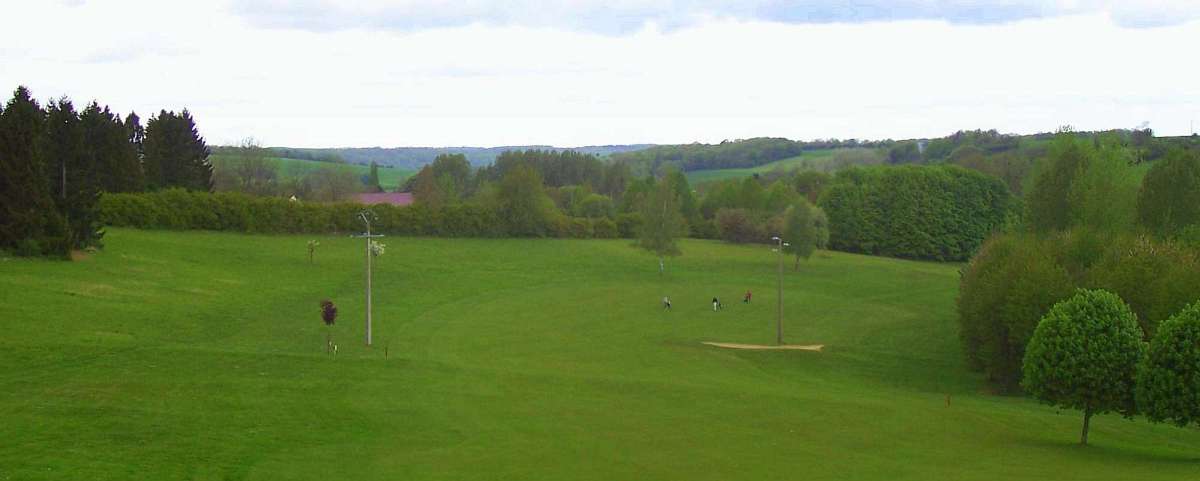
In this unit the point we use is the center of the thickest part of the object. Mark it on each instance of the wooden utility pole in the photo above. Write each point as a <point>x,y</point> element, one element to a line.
<point>368,236</point>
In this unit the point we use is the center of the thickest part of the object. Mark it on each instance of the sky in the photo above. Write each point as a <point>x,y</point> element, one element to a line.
<point>328,73</point>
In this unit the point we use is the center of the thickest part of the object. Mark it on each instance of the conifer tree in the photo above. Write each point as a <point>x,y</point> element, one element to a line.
<point>71,173</point>
<point>29,222</point>
<point>175,153</point>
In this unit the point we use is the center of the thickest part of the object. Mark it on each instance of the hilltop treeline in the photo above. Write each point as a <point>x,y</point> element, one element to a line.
<point>729,154</point>
<point>417,157</point>
<point>55,161</point>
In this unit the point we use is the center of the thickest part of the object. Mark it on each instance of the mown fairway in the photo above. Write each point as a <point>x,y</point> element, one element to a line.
<point>813,159</point>
<point>200,356</point>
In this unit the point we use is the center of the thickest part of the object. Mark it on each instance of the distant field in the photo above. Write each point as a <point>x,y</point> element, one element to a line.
<point>389,178</point>
<point>199,356</point>
<point>813,159</point>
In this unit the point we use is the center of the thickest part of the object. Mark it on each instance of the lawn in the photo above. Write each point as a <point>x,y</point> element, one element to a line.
<point>193,355</point>
<point>812,159</point>
<point>389,177</point>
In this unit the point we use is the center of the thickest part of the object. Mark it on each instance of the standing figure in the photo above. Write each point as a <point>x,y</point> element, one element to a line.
<point>666,303</point>
<point>746,300</point>
<point>716,304</point>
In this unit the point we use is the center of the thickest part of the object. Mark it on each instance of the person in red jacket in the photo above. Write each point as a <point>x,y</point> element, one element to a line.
<point>746,300</point>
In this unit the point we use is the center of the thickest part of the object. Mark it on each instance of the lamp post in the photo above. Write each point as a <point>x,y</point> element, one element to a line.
<point>365,216</point>
<point>780,244</point>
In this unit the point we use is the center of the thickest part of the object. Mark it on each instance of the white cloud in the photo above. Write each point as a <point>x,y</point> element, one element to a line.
<point>502,85</point>
<point>627,16</point>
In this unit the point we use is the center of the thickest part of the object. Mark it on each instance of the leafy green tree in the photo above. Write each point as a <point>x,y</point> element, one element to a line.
<point>740,226</point>
<point>1168,382</point>
<point>1084,355</point>
<point>175,153</point>
<point>805,230</point>
<point>1103,196</point>
<point>1048,203</point>
<point>522,203</point>
<point>811,184</point>
<point>904,153</point>
<point>689,207</point>
<point>1003,292</point>
<point>30,224</point>
<point>662,222</point>
<point>1169,199</point>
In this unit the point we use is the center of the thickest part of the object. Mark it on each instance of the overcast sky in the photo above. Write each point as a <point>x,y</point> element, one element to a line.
<point>318,73</point>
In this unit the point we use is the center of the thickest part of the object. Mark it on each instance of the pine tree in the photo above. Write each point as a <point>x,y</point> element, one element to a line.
<point>29,222</point>
<point>71,173</point>
<point>373,179</point>
<point>109,150</point>
<point>175,154</point>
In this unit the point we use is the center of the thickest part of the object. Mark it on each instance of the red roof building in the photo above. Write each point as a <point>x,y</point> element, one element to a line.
<point>393,198</point>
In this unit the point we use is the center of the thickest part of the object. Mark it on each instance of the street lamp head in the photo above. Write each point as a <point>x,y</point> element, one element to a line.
<point>785,244</point>
<point>774,238</point>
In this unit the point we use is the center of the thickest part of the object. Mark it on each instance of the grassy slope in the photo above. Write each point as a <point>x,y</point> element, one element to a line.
<point>814,157</point>
<point>389,178</point>
<point>199,356</point>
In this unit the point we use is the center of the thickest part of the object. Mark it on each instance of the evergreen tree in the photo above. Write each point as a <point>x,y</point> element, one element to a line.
<point>175,154</point>
<point>373,179</point>
<point>110,151</point>
<point>71,173</point>
<point>29,222</point>
<point>135,134</point>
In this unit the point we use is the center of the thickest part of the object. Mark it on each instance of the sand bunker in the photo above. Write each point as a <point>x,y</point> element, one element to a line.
<point>794,347</point>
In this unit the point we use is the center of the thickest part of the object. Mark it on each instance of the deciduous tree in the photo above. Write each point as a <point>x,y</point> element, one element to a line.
<point>1084,355</point>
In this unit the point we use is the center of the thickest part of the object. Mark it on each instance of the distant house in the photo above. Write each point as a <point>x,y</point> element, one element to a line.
<point>393,198</point>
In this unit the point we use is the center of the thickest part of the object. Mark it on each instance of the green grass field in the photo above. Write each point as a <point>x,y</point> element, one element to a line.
<point>389,177</point>
<point>813,159</point>
<point>186,355</point>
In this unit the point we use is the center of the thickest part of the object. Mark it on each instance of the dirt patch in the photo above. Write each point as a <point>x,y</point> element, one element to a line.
<point>78,255</point>
<point>791,347</point>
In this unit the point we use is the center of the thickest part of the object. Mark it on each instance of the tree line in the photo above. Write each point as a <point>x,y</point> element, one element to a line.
<point>55,161</point>
<point>1094,218</point>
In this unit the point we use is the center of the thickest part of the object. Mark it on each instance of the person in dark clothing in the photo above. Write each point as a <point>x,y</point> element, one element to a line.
<point>716,304</point>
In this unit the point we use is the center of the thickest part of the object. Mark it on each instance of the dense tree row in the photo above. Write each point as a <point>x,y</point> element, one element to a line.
<point>1093,219</point>
<point>940,213</point>
<point>55,162</point>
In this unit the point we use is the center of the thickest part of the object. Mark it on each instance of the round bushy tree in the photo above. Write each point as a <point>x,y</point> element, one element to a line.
<point>1168,382</point>
<point>1084,355</point>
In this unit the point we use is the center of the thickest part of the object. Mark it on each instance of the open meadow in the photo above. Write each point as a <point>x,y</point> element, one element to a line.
<point>196,355</point>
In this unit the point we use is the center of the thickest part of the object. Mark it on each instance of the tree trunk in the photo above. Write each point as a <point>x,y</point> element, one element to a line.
<point>797,267</point>
<point>328,341</point>
<point>1087,418</point>
<point>660,266</point>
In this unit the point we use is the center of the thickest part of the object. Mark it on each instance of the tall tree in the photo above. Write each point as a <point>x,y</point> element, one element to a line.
<point>175,153</point>
<point>1170,194</point>
<point>110,151</point>
<point>373,179</point>
<point>662,222</point>
<point>805,230</point>
<point>29,222</point>
<point>72,173</point>
<point>523,203</point>
<point>1048,204</point>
